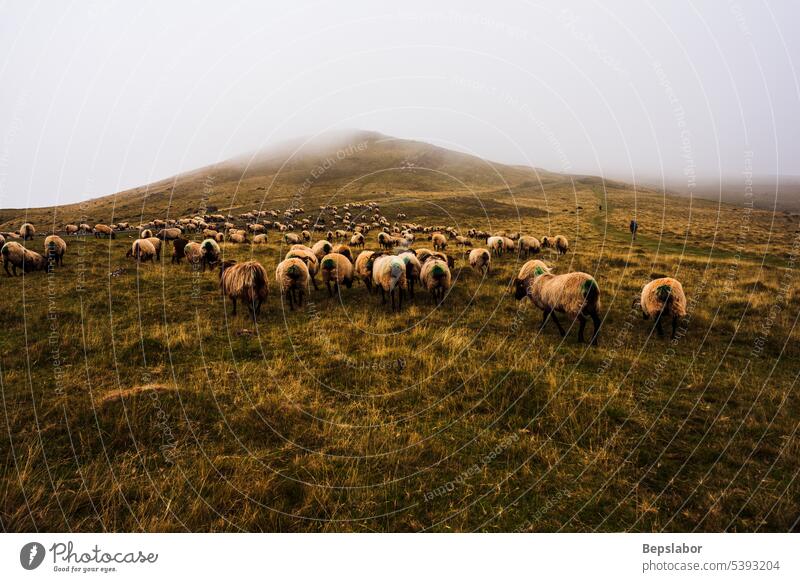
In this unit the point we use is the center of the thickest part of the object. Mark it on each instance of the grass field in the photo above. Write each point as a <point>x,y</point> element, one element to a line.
<point>136,402</point>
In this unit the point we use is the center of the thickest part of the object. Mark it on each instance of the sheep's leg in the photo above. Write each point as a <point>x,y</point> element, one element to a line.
<point>314,281</point>
<point>330,292</point>
<point>401,299</point>
<point>581,327</point>
<point>234,305</point>
<point>558,323</point>
<point>290,296</point>
<point>596,330</point>
<point>410,289</point>
<point>545,314</point>
<point>5,266</point>
<point>368,283</point>
<point>383,296</point>
<point>659,329</point>
<point>392,294</point>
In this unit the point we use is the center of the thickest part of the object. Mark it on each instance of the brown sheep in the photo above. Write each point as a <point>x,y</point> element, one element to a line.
<point>292,276</point>
<point>178,249</point>
<point>55,248</point>
<point>343,250</point>
<point>336,268</point>
<point>363,267</point>
<point>103,230</point>
<point>480,260</point>
<point>17,256</point>
<point>157,242</point>
<point>439,242</point>
<point>246,282</point>
<point>142,250</point>
<point>169,233</point>
<point>27,231</point>
<point>71,229</point>
<point>436,277</point>
<point>575,294</point>
<point>663,296</point>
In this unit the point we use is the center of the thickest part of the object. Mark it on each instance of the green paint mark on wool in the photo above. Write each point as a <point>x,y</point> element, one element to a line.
<point>329,263</point>
<point>437,270</point>
<point>293,271</point>
<point>587,286</point>
<point>538,271</point>
<point>663,292</point>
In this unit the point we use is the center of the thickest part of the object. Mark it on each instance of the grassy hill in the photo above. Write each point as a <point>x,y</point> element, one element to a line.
<point>133,401</point>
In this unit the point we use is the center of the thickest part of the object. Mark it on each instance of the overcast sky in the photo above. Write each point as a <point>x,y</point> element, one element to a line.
<point>101,96</point>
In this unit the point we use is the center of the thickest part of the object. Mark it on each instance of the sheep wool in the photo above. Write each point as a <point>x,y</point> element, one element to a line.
<point>389,274</point>
<point>321,248</point>
<point>142,250</point>
<point>480,260</point>
<point>55,248</point>
<point>529,245</point>
<point>663,296</point>
<point>436,277</point>
<point>246,282</point>
<point>336,269</point>
<point>27,231</point>
<point>17,256</point>
<point>363,268</point>
<point>292,276</point>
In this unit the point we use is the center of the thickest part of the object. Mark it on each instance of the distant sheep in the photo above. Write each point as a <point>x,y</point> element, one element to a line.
<point>17,256</point>
<point>291,238</point>
<point>54,249</point>
<point>357,240</point>
<point>495,244</point>
<point>480,260</point>
<point>389,275</point>
<point>660,297</point>
<point>338,269</point>
<point>237,237</point>
<point>529,245</point>
<point>27,231</point>
<point>439,242</point>
<point>103,230</point>
<point>71,229</point>
<point>575,294</point>
<point>260,239</point>
<point>292,276</point>
<point>246,282</point>
<point>169,233</point>
<point>559,243</point>
<point>436,278</point>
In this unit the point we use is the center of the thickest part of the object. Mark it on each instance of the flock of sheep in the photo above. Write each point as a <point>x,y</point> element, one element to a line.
<point>394,269</point>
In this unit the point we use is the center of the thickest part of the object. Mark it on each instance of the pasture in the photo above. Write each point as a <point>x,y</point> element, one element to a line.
<point>133,401</point>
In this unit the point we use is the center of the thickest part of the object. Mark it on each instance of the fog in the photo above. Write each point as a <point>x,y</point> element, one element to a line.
<point>101,96</point>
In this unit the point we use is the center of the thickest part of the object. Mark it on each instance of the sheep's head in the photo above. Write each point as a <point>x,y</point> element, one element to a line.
<point>520,288</point>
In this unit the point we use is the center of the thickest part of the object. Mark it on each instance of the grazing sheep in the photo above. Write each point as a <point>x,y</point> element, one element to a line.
<point>463,241</point>
<point>385,240</point>
<point>142,250</point>
<point>219,237</point>
<point>357,240</point>
<point>237,237</point>
<point>169,233</point>
<point>103,230</point>
<point>413,269</point>
<point>292,276</point>
<point>508,244</point>
<point>575,294</point>
<point>495,244</point>
<point>146,233</point>
<point>27,231</point>
<point>559,243</point>
<point>17,256</point>
<point>54,248</point>
<point>389,274</point>
<point>336,268</point>
<point>343,250</point>
<point>211,253</point>
<point>663,296</point>
<point>157,242</point>
<point>363,267</point>
<point>246,282</point>
<point>194,254</point>
<point>71,229</point>
<point>306,235</point>
<point>436,278</point>
<point>291,238</point>
<point>439,242</point>
<point>529,245</point>
<point>260,239</point>
<point>84,228</point>
<point>321,248</point>
<point>308,257</point>
<point>178,249</point>
<point>480,260</point>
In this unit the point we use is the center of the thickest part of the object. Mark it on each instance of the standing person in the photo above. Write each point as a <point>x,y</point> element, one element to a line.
<point>634,228</point>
